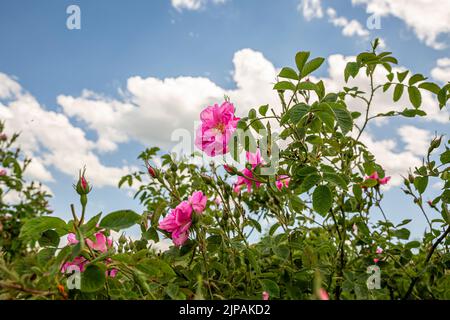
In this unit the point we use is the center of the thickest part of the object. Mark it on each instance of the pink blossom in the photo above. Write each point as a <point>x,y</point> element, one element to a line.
<point>385,180</point>
<point>102,243</point>
<point>2,172</point>
<point>283,181</point>
<point>79,262</point>
<point>218,200</point>
<point>218,124</point>
<point>379,250</point>
<point>382,181</point>
<point>373,176</point>
<point>265,295</point>
<point>254,158</point>
<point>323,294</point>
<point>198,201</point>
<point>112,273</point>
<point>177,222</point>
<point>247,180</point>
<point>72,238</point>
<point>376,260</point>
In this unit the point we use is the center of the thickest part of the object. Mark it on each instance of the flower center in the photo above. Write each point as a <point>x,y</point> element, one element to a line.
<point>220,127</point>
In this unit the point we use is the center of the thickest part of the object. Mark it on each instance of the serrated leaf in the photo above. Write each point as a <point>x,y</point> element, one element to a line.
<point>121,219</point>
<point>322,200</point>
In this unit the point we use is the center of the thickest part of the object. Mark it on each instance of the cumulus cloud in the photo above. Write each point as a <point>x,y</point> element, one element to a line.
<point>442,70</point>
<point>50,139</point>
<point>429,19</point>
<point>350,28</point>
<point>396,160</point>
<point>155,108</point>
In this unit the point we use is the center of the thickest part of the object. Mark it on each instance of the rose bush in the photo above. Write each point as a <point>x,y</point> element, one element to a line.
<point>289,223</point>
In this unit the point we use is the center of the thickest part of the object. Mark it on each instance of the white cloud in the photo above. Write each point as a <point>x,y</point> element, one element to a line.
<point>442,70</point>
<point>429,19</point>
<point>311,9</point>
<point>350,28</point>
<point>394,160</point>
<point>416,140</point>
<point>155,108</point>
<point>50,139</point>
<point>192,5</point>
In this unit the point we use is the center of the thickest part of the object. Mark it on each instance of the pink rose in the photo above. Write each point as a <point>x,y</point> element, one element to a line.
<point>198,201</point>
<point>379,250</point>
<point>283,181</point>
<point>265,295</point>
<point>323,294</point>
<point>102,243</point>
<point>382,181</point>
<point>72,238</point>
<point>218,124</point>
<point>2,172</point>
<point>178,222</point>
<point>79,262</point>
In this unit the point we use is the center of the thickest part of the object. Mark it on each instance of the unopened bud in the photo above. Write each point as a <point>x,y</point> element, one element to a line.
<point>229,169</point>
<point>3,137</point>
<point>82,187</point>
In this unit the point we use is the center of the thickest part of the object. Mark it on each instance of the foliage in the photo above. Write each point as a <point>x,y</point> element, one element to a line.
<point>296,240</point>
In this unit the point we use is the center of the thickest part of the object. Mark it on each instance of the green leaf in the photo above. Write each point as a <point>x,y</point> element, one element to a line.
<point>415,78</point>
<point>282,251</point>
<point>430,86</point>
<point>312,65</point>
<point>351,69</point>
<point>415,97</point>
<point>322,200</point>
<point>445,157</point>
<point>410,113</point>
<point>402,75</point>
<point>49,238</point>
<point>34,228</point>
<point>398,91</point>
<point>402,233</point>
<point>297,112</point>
<point>420,183</point>
<point>252,114</point>
<point>307,85</point>
<point>309,182</point>
<point>288,73</point>
<point>263,109</point>
<point>344,120</point>
<point>335,179</point>
<point>413,244</point>
<point>271,287</point>
<point>93,278</point>
<point>300,59</point>
<point>284,85</point>
<point>120,219</point>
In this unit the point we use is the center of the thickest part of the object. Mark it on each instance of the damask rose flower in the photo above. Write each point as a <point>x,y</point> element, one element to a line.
<point>102,243</point>
<point>2,172</point>
<point>78,262</point>
<point>382,181</point>
<point>246,180</point>
<point>254,159</point>
<point>379,250</point>
<point>218,124</point>
<point>282,181</point>
<point>198,201</point>
<point>323,294</point>
<point>178,222</point>
<point>265,295</point>
<point>72,238</point>
<point>376,260</point>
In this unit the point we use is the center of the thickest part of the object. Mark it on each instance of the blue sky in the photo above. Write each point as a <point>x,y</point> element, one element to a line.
<point>150,42</point>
